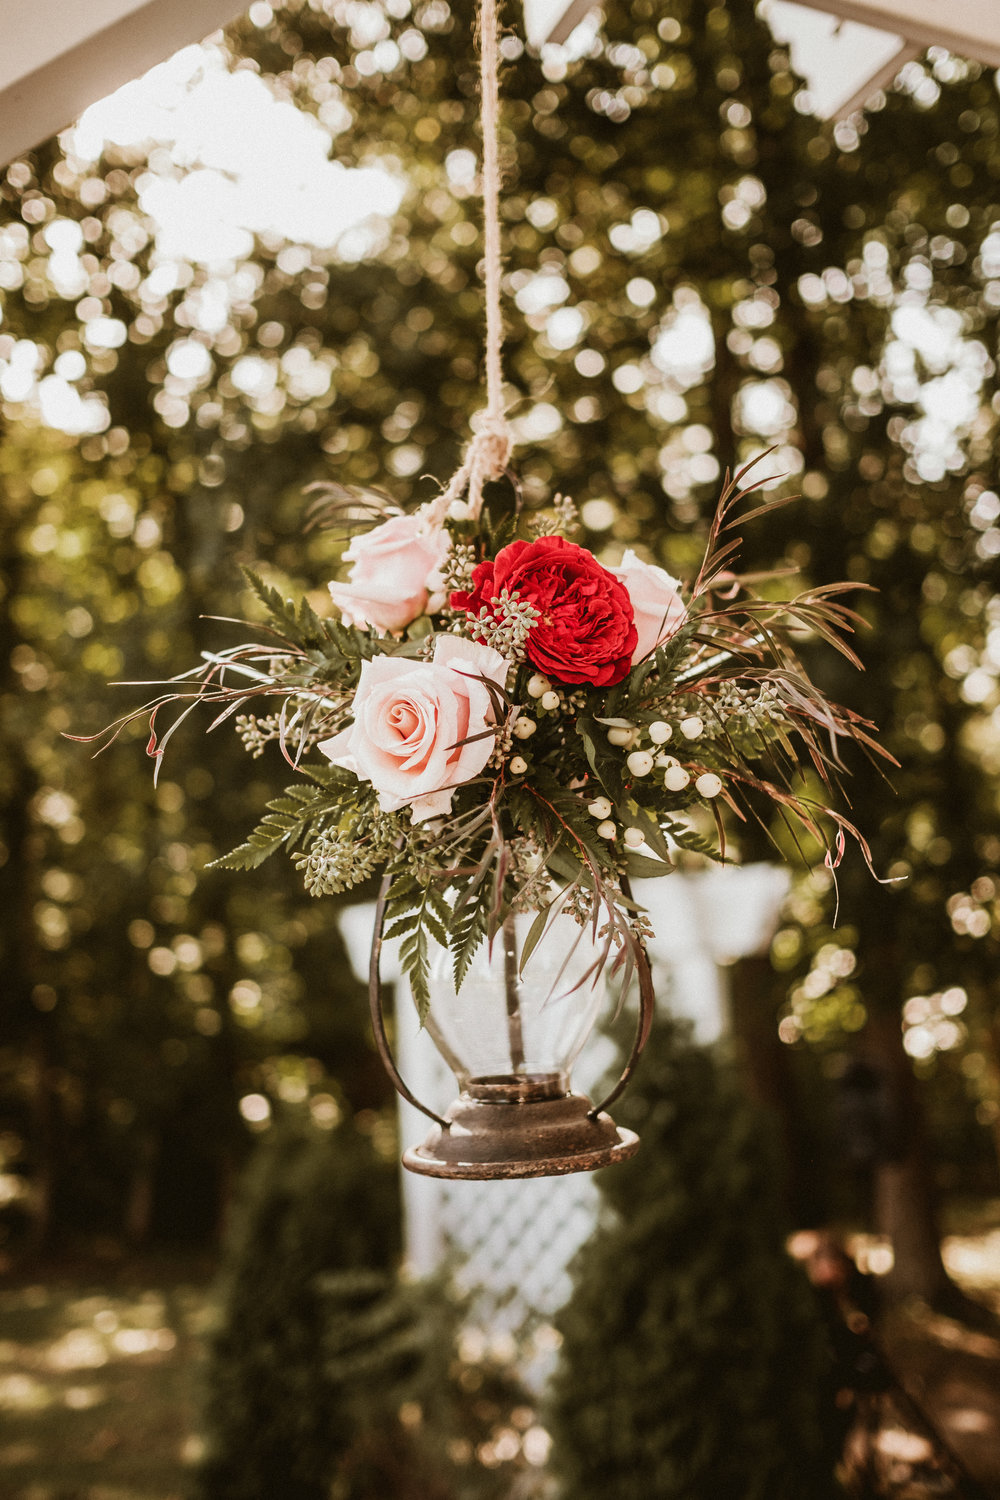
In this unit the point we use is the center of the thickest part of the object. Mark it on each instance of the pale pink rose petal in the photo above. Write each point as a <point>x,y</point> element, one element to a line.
<point>338,750</point>
<point>433,805</point>
<point>418,726</point>
<point>465,653</point>
<point>393,565</point>
<point>657,606</point>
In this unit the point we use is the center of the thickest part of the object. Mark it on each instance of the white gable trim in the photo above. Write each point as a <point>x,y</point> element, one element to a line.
<point>59,56</point>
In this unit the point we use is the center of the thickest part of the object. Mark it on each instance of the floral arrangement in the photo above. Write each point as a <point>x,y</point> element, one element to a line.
<point>491,709</point>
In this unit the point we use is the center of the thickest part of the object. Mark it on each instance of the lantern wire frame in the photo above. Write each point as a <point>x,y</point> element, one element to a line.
<point>511,1126</point>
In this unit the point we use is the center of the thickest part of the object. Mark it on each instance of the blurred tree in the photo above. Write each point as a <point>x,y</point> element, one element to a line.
<point>314,1203</point>
<point>889,356</point>
<point>142,998</point>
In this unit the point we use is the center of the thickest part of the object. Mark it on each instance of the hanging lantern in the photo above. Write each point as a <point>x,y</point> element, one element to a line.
<point>511,1033</point>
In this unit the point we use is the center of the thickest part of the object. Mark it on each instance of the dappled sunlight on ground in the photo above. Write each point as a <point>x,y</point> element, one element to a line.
<point>98,1391</point>
<point>952,1372</point>
<point>973,1260</point>
<point>99,1395</point>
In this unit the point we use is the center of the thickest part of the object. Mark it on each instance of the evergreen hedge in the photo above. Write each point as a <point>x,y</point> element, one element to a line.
<point>694,1365</point>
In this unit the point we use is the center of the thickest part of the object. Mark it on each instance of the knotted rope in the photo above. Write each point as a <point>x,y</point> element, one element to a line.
<point>488,453</point>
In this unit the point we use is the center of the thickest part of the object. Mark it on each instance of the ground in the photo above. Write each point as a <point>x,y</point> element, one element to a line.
<point>100,1371</point>
<point>99,1386</point>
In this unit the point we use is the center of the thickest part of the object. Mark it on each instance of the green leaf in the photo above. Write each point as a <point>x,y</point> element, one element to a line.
<point>401,926</point>
<point>469,927</point>
<point>641,867</point>
<point>640,817</point>
<point>413,956</point>
<point>534,935</point>
<point>566,862</point>
<point>684,835</point>
<point>248,856</point>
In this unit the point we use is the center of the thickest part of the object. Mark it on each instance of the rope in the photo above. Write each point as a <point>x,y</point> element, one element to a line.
<point>489,46</point>
<point>489,450</point>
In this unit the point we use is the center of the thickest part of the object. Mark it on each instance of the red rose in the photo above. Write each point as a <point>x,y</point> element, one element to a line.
<point>586,632</point>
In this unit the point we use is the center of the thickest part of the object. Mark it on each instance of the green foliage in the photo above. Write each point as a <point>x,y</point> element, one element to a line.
<point>693,1361</point>
<point>331,827</point>
<point>414,912</point>
<point>532,812</point>
<point>288,817</point>
<point>331,1378</point>
<point>279,1412</point>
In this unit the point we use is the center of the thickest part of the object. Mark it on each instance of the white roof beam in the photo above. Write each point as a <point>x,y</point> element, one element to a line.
<point>970,28</point>
<point>58,56</point>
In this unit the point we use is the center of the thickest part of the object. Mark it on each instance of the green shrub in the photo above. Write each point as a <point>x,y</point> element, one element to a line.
<point>693,1364</point>
<point>314,1204</point>
<point>331,1377</point>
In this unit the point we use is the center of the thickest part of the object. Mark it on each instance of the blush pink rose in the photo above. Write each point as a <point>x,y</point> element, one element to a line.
<point>657,606</point>
<point>410,719</point>
<point>387,586</point>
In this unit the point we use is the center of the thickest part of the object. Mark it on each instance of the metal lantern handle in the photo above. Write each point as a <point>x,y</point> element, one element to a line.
<point>647,1002</point>
<point>644,1022</point>
<point>378,1017</point>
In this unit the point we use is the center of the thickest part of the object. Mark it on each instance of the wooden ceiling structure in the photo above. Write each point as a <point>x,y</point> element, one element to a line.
<point>59,56</point>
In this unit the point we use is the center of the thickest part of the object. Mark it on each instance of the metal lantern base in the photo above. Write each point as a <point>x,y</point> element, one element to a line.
<point>520,1127</point>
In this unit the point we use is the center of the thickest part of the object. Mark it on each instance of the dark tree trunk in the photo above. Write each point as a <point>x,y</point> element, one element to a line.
<point>43,1115</point>
<point>904,1197</point>
<point>771,1083</point>
<point>139,1203</point>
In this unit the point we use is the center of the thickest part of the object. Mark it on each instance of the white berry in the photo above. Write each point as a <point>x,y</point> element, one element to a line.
<point>640,762</point>
<point>620,737</point>
<point>524,728</point>
<point>537,685</point>
<point>675,778</point>
<point>599,808</point>
<point>663,761</point>
<point>692,727</point>
<point>518,765</point>
<point>607,830</point>
<point>634,838</point>
<point>659,732</point>
<point>550,699</point>
<point>708,784</point>
<point>458,510</point>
